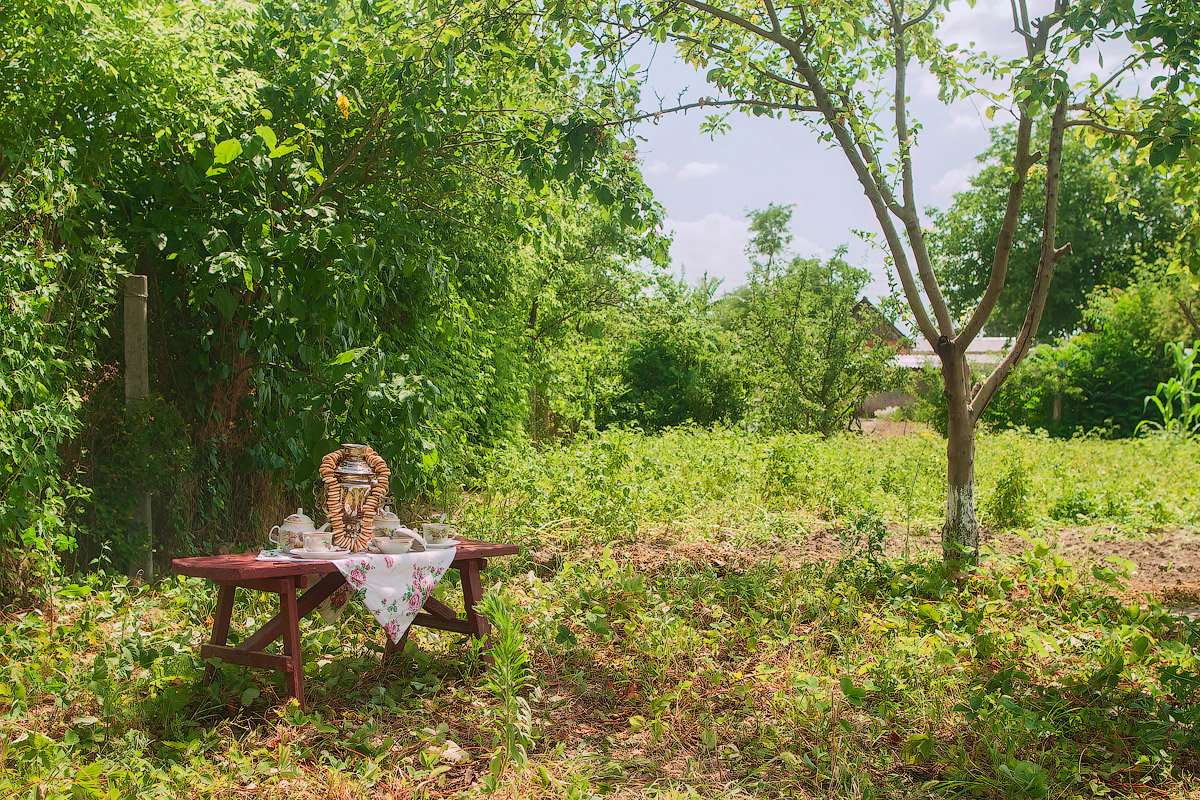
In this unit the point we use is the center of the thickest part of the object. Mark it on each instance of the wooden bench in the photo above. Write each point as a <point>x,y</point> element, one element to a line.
<point>288,578</point>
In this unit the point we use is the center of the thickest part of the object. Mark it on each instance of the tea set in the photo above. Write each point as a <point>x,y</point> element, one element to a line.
<point>299,536</point>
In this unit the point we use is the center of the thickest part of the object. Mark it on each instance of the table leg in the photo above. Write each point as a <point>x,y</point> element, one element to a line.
<point>291,640</point>
<point>472,583</point>
<point>275,627</point>
<point>221,616</point>
<point>390,648</point>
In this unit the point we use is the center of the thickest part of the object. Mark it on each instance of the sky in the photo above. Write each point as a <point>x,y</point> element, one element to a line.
<point>708,185</point>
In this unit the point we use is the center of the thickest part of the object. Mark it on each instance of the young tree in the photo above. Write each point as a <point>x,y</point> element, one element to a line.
<point>813,360</point>
<point>842,69</point>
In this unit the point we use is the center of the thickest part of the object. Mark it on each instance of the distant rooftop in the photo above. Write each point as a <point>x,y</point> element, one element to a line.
<point>985,351</point>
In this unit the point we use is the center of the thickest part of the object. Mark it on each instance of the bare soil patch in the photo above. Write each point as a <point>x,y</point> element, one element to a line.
<point>1165,564</point>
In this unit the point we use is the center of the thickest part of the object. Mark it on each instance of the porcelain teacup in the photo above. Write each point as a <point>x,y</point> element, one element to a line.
<point>317,542</point>
<point>435,532</point>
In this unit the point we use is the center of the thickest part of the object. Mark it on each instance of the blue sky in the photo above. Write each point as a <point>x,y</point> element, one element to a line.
<point>708,185</point>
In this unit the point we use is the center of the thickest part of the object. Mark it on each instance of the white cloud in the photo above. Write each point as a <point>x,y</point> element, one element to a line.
<point>807,248</point>
<point>699,169</point>
<point>955,180</point>
<point>714,244</point>
<point>655,167</point>
<point>967,120</point>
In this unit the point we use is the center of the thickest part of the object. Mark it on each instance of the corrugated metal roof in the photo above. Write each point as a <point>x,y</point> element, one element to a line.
<point>985,351</point>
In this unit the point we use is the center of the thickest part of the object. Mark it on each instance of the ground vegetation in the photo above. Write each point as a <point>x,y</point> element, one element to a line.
<point>671,629</point>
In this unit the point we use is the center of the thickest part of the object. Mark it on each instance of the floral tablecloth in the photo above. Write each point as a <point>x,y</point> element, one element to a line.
<point>392,587</point>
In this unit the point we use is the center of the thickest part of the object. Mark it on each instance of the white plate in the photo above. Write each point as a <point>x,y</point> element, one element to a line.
<point>442,545</point>
<point>330,555</point>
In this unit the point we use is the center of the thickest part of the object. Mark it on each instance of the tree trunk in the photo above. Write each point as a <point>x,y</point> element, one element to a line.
<point>960,535</point>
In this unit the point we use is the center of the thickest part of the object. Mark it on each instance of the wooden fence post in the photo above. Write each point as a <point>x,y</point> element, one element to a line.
<point>137,388</point>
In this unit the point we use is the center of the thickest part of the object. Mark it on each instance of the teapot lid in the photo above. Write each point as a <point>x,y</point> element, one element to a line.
<point>298,518</point>
<point>386,516</point>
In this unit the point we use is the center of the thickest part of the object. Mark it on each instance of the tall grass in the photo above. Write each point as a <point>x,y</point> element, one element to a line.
<point>691,481</point>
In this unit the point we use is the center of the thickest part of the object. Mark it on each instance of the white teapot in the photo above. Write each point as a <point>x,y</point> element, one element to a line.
<point>290,533</point>
<point>387,525</point>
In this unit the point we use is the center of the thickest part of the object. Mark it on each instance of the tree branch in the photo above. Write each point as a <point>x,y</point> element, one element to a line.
<point>924,15</point>
<point>380,116</point>
<point>775,26</point>
<point>1041,283</point>
<point>900,103</point>
<point>709,103</point>
<point>1100,126</point>
<point>1022,161</point>
<point>1021,25</point>
<point>743,23</point>
<point>1190,317</point>
<point>766,73</point>
<point>909,215</point>
<point>871,187</point>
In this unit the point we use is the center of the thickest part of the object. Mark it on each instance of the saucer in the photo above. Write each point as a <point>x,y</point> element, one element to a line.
<point>442,545</point>
<point>328,555</point>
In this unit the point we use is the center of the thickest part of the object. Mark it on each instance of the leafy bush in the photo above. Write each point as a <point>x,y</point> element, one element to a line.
<point>677,368</point>
<point>56,278</point>
<point>812,356</point>
<point>1008,504</point>
<point>1097,380</point>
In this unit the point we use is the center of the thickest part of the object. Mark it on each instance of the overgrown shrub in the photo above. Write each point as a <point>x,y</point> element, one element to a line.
<point>56,279</point>
<point>678,368</point>
<point>1096,380</point>
<point>1008,505</point>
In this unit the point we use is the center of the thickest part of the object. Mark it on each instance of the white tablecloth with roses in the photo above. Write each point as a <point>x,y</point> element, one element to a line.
<point>392,587</point>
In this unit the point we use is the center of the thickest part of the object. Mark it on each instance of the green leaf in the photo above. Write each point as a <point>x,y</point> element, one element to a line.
<point>268,136</point>
<point>225,302</point>
<point>348,356</point>
<point>930,612</point>
<point>227,151</point>
<point>855,694</point>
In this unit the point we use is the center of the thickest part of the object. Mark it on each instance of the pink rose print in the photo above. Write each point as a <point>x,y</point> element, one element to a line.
<point>393,630</point>
<point>339,598</point>
<point>389,562</point>
<point>415,601</point>
<point>357,577</point>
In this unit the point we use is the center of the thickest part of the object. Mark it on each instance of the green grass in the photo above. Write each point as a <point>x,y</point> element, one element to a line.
<point>692,482</point>
<point>709,673</point>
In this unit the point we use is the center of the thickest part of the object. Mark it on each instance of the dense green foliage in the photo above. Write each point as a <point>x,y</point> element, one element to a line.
<point>1117,219</point>
<point>678,366</point>
<point>859,676</point>
<point>811,357</point>
<point>1096,381</point>
<point>338,207</point>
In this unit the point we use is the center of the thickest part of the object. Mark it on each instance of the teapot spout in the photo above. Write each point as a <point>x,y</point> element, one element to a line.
<point>323,527</point>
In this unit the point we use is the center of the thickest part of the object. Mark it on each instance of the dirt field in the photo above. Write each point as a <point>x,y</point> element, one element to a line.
<point>1166,564</point>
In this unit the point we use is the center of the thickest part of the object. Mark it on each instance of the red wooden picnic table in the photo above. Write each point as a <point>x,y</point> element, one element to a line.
<point>286,578</point>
